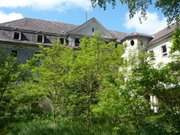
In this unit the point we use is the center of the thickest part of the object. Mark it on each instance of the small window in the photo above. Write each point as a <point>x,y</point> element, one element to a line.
<point>77,42</point>
<point>17,35</point>
<point>154,103</point>
<point>14,53</point>
<point>61,40</point>
<point>93,29</point>
<point>40,38</point>
<point>164,50</point>
<point>141,42</point>
<point>132,42</point>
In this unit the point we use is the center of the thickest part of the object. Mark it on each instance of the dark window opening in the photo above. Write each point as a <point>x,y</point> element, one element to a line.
<point>132,42</point>
<point>17,35</point>
<point>62,41</point>
<point>77,42</point>
<point>93,29</point>
<point>14,53</point>
<point>164,50</point>
<point>40,39</point>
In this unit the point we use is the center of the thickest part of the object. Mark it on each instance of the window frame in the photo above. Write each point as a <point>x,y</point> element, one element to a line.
<point>43,38</point>
<point>77,44</point>
<point>61,40</point>
<point>164,50</point>
<point>19,35</point>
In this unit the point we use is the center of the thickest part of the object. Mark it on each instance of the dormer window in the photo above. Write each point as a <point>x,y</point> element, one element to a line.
<point>17,36</point>
<point>61,40</point>
<point>164,50</point>
<point>40,38</point>
<point>77,42</point>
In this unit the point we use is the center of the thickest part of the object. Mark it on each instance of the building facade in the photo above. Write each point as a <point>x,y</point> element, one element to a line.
<point>22,37</point>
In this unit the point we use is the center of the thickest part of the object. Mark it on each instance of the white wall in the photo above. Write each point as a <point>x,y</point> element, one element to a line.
<point>130,50</point>
<point>158,55</point>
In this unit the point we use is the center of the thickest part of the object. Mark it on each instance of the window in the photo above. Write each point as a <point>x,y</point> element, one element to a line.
<point>14,53</point>
<point>17,35</point>
<point>40,39</point>
<point>132,42</point>
<point>164,50</point>
<point>93,29</point>
<point>154,103</point>
<point>77,42</point>
<point>141,43</point>
<point>61,40</point>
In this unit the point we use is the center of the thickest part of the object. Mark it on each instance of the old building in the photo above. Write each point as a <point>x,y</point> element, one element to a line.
<point>22,37</point>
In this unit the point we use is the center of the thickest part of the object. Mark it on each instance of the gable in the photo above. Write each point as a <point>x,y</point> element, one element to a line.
<point>90,27</point>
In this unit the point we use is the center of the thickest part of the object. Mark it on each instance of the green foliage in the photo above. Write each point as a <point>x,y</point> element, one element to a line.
<point>169,8</point>
<point>9,77</point>
<point>91,90</point>
<point>176,40</point>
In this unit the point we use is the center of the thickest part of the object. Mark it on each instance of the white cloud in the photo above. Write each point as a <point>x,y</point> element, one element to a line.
<point>46,4</point>
<point>151,25</point>
<point>9,17</point>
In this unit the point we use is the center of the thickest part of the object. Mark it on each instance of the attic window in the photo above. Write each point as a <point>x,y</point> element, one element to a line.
<point>77,42</point>
<point>40,39</point>
<point>132,42</point>
<point>17,35</point>
<point>61,40</point>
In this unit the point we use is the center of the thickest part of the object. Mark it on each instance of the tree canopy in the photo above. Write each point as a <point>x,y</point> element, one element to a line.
<point>92,90</point>
<point>170,8</point>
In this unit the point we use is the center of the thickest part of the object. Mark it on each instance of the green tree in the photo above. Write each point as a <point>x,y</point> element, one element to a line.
<point>170,8</point>
<point>125,107</point>
<point>70,79</point>
<point>9,78</point>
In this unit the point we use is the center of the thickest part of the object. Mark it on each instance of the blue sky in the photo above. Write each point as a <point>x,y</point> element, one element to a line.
<point>74,11</point>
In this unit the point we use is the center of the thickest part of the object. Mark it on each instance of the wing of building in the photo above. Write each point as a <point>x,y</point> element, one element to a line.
<point>22,37</point>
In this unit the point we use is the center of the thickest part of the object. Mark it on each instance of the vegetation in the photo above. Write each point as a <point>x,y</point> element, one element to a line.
<point>170,8</point>
<point>89,91</point>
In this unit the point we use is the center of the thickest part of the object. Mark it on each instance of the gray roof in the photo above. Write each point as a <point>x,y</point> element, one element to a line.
<point>119,35</point>
<point>45,26</point>
<point>109,34</point>
<point>59,28</point>
<point>40,25</point>
<point>135,34</point>
<point>165,33</point>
